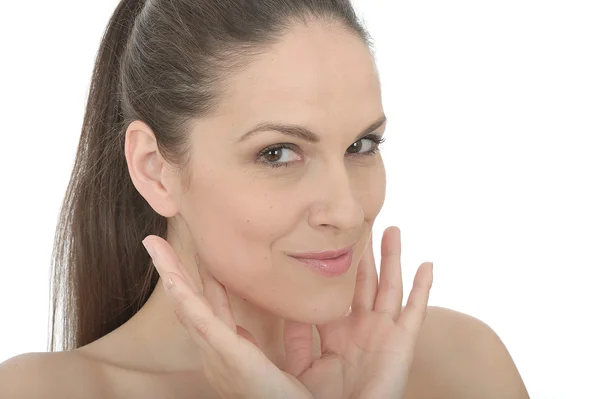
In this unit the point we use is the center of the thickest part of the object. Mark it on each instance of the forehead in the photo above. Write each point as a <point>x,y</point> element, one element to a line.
<point>318,75</point>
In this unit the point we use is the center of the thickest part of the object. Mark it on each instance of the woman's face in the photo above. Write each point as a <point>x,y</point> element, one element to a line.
<point>256,198</point>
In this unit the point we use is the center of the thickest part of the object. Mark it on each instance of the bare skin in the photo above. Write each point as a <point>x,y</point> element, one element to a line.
<point>365,353</point>
<point>456,356</point>
<point>242,216</point>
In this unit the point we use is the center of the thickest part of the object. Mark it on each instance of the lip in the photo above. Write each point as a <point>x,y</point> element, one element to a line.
<point>326,254</point>
<point>328,263</point>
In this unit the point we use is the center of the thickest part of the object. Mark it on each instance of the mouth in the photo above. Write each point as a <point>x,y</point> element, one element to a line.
<point>327,263</point>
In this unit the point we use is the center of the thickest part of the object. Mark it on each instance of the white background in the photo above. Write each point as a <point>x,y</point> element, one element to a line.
<point>492,159</point>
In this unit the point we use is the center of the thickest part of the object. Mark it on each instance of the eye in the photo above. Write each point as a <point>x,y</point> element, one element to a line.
<point>367,145</point>
<point>278,155</point>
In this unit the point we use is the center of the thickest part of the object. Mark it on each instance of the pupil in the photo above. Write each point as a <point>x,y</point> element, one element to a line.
<point>274,155</point>
<point>356,147</point>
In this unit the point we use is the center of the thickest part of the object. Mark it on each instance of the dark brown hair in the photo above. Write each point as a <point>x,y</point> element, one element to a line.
<point>164,63</point>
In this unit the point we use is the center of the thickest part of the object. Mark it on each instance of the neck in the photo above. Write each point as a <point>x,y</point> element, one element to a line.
<point>168,346</point>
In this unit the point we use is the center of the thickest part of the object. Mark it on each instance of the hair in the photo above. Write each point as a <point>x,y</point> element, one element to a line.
<point>164,62</point>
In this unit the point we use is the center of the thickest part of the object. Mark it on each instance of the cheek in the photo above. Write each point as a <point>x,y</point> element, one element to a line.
<point>234,229</point>
<point>370,186</point>
<point>237,227</point>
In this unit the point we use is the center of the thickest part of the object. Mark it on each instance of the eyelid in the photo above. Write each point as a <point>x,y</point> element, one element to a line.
<point>374,136</point>
<point>290,146</point>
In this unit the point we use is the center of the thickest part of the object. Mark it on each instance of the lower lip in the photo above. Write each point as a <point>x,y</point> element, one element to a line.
<point>329,267</point>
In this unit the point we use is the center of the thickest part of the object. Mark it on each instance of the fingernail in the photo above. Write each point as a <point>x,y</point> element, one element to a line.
<point>149,247</point>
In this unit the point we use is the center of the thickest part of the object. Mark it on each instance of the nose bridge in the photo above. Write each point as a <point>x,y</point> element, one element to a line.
<point>337,179</point>
<point>336,204</point>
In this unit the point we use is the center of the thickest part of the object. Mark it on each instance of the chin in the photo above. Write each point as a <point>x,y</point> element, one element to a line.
<point>324,315</point>
<point>322,309</point>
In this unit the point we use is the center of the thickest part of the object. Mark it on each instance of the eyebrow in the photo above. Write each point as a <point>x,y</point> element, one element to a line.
<point>303,132</point>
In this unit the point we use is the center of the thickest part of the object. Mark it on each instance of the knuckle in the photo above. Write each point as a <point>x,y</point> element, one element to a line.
<point>180,308</point>
<point>201,325</point>
<point>180,315</point>
<point>388,285</point>
<point>420,313</point>
<point>184,310</point>
<point>361,277</point>
<point>406,332</point>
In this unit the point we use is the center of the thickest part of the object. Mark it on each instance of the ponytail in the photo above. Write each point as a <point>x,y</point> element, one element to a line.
<point>100,274</point>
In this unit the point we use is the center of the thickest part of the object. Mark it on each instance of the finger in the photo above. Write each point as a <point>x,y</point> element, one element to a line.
<point>217,297</point>
<point>190,308</point>
<point>188,278</point>
<point>195,314</point>
<point>214,292</point>
<point>298,340</point>
<point>232,357</point>
<point>172,261</point>
<point>242,332</point>
<point>390,291</point>
<point>366,280</point>
<point>413,314</point>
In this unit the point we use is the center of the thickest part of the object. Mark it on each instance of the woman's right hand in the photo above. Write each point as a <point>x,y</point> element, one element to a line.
<point>237,367</point>
<point>367,354</point>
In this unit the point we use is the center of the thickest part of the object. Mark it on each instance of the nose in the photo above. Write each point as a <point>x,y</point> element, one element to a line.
<point>336,204</point>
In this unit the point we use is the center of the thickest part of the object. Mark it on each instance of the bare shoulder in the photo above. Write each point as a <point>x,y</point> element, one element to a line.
<point>459,356</point>
<point>49,375</point>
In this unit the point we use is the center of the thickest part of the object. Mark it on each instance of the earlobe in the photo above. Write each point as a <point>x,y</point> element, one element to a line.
<point>148,170</point>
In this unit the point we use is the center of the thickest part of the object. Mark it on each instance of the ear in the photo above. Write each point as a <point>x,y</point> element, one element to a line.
<point>151,174</point>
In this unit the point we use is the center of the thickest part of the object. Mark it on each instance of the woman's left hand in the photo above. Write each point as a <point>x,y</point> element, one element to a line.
<point>371,349</point>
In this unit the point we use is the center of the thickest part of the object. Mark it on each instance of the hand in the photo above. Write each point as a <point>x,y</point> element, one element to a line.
<point>366,354</point>
<point>369,352</point>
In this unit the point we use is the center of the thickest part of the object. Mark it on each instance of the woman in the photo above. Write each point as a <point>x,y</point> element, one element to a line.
<point>239,141</point>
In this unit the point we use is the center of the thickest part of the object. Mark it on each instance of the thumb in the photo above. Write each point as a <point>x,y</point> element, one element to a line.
<point>298,339</point>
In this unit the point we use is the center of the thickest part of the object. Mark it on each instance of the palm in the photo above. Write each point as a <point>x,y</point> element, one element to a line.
<point>354,350</point>
<point>354,335</point>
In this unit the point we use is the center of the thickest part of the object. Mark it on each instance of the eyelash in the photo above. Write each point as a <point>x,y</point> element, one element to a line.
<point>375,138</point>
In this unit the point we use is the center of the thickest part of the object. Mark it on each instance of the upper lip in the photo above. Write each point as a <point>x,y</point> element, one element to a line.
<point>326,254</point>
